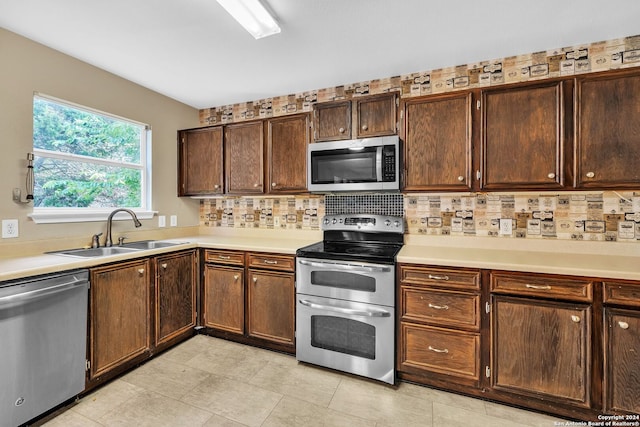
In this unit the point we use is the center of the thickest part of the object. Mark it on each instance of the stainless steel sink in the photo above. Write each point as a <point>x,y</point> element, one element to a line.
<point>149,244</point>
<point>95,252</point>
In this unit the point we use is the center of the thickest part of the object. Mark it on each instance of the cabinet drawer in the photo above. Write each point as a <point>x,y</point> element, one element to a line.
<point>439,350</point>
<point>440,307</point>
<point>445,277</point>
<point>542,286</point>
<point>224,257</point>
<point>271,262</point>
<point>627,293</point>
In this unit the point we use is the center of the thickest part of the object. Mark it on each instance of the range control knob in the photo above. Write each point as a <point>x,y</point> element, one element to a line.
<point>396,223</point>
<point>326,221</point>
<point>333,221</point>
<point>387,222</point>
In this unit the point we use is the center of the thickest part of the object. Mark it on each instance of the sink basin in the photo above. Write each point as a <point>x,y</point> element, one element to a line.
<point>94,252</point>
<point>148,244</point>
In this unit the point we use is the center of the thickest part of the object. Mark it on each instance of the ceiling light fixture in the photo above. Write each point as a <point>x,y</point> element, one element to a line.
<point>253,16</point>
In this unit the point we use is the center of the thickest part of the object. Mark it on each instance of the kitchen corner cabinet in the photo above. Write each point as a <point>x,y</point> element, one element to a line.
<point>120,316</point>
<point>175,297</point>
<point>439,339</point>
<point>223,291</point>
<point>621,347</point>
<point>361,117</point>
<point>271,298</point>
<point>287,140</point>
<point>523,137</point>
<point>243,157</point>
<point>200,160</point>
<point>541,337</point>
<point>607,133</point>
<point>438,143</point>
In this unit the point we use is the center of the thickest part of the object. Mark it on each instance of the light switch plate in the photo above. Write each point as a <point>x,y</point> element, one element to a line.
<point>9,228</point>
<point>162,221</point>
<point>174,220</point>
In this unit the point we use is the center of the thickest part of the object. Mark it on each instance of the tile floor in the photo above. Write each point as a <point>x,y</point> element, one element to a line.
<point>211,382</point>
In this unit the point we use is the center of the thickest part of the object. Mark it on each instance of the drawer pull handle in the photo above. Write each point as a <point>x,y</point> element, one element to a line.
<point>544,287</point>
<point>236,277</point>
<point>438,277</point>
<point>575,318</point>
<point>437,350</point>
<point>623,325</point>
<point>141,270</point>
<point>268,261</point>
<point>223,257</point>
<point>163,265</point>
<point>439,307</point>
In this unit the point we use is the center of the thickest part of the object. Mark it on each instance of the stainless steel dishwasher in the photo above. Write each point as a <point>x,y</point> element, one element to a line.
<point>43,335</point>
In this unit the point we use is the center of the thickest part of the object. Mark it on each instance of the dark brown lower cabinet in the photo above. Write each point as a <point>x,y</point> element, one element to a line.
<point>271,306</point>
<point>120,316</point>
<point>622,360</point>
<point>223,298</point>
<point>542,349</point>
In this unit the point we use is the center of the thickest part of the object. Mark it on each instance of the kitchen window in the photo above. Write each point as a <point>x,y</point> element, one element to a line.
<point>87,163</point>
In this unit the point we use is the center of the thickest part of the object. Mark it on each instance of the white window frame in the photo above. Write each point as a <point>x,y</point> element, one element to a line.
<point>50,215</point>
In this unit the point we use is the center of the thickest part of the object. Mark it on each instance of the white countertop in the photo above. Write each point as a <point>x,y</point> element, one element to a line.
<point>592,259</point>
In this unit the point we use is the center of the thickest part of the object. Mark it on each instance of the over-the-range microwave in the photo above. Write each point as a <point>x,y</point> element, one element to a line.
<point>369,164</point>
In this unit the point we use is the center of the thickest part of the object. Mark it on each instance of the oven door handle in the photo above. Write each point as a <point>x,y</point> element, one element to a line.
<point>353,312</point>
<point>351,267</point>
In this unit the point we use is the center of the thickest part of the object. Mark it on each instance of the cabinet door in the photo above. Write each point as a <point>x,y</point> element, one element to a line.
<point>523,137</point>
<point>200,162</point>
<point>271,305</point>
<point>223,298</point>
<point>243,155</point>
<point>542,349</point>
<point>622,358</point>
<point>438,143</point>
<point>608,131</point>
<point>332,121</point>
<point>376,115</point>
<point>120,313</point>
<point>175,296</point>
<point>287,142</point>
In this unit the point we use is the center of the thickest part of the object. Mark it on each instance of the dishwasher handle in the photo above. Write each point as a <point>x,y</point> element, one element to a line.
<point>12,300</point>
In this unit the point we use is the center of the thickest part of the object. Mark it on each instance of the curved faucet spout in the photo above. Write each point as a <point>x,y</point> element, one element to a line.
<point>136,222</point>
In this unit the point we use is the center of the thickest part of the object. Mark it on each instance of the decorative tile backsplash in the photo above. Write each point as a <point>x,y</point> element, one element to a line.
<point>566,61</point>
<point>593,216</point>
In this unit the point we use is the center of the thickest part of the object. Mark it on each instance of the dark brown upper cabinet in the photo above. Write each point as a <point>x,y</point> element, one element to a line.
<point>287,140</point>
<point>607,134</point>
<point>364,117</point>
<point>523,137</point>
<point>438,143</point>
<point>243,158</point>
<point>200,162</point>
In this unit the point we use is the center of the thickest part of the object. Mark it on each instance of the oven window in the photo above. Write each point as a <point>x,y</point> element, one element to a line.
<point>344,336</point>
<point>343,280</point>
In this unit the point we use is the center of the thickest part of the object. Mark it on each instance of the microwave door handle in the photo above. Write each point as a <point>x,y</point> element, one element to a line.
<point>353,312</point>
<point>379,163</point>
<point>351,267</point>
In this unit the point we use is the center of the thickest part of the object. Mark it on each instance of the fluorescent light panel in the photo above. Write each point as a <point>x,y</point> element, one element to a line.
<point>253,16</point>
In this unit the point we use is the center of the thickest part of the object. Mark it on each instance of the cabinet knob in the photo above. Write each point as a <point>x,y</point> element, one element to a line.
<point>623,325</point>
<point>341,130</point>
<point>255,279</point>
<point>365,127</point>
<point>163,265</point>
<point>141,270</point>
<point>273,184</point>
<point>590,174</point>
<point>575,318</point>
<point>236,276</point>
<point>551,175</point>
<point>216,186</point>
<point>256,185</point>
<point>461,178</point>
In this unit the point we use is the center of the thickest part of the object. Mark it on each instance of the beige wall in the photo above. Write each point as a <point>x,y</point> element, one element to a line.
<point>29,67</point>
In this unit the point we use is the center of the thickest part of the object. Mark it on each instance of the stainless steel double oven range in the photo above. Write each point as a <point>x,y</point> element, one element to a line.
<point>345,297</point>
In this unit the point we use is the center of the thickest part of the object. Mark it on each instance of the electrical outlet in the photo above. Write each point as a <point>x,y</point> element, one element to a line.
<point>506,226</point>
<point>174,220</point>
<point>162,221</point>
<point>9,228</point>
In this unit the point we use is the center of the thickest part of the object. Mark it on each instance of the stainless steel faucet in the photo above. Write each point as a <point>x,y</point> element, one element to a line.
<point>136,222</point>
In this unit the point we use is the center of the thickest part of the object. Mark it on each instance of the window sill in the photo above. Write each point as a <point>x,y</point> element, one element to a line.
<point>61,215</point>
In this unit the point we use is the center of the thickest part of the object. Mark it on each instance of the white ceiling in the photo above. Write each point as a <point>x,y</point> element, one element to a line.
<point>194,52</point>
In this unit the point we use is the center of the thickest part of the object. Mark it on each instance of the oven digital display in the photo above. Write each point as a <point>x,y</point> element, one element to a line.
<point>359,221</point>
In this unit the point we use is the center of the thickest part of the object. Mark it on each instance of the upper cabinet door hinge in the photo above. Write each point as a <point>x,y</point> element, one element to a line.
<point>87,365</point>
<point>478,104</point>
<point>487,307</point>
<point>487,371</point>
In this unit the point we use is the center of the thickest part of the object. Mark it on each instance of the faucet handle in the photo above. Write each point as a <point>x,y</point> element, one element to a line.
<point>121,240</point>
<point>95,240</point>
